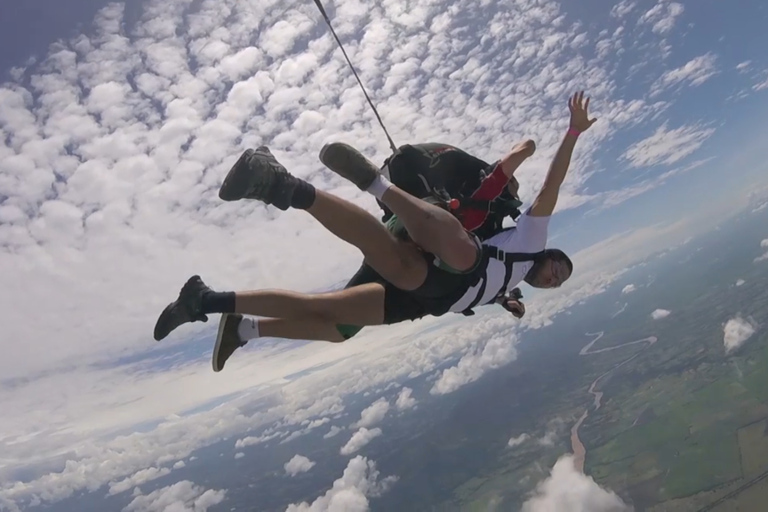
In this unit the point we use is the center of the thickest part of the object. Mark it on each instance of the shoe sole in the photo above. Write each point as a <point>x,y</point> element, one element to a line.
<point>217,347</point>
<point>239,179</point>
<point>162,321</point>
<point>349,154</point>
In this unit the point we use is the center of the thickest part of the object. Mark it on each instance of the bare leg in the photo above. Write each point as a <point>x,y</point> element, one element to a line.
<point>433,229</point>
<point>359,305</point>
<point>516,157</point>
<point>300,329</point>
<point>400,263</point>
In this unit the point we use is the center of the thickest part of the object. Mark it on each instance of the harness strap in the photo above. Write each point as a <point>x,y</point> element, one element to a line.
<point>480,294</point>
<point>508,259</point>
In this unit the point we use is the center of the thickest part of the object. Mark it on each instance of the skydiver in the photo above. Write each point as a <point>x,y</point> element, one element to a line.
<point>443,268</point>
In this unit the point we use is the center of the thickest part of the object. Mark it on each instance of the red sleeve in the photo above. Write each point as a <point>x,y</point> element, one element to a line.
<point>490,188</point>
<point>492,185</point>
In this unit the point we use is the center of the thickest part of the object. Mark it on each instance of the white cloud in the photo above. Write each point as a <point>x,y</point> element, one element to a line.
<point>239,455</point>
<point>568,489</point>
<point>610,199</point>
<point>667,146</point>
<point>628,289</point>
<point>736,331</point>
<point>351,491</point>
<point>373,414</point>
<point>740,282</point>
<point>764,257</point>
<point>252,440</point>
<point>311,425</point>
<point>405,400</point>
<point>760,86</point>
<point>694,73</point>
<point>359,439</point>
<point>298,464</point>
<point>334,431</point>
<point>743,66</point>
<point>621,9</point>
<point>138,478</point>
<point>517,441</point>
<point>662,16</point>
<point>180,464</point>
<point>498,351</point>
<point>182,496</point>
<point>550,436</point>
<point>659,314</point>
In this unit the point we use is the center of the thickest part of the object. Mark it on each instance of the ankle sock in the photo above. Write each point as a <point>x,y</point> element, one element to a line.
<point>303,195</point>
<point>248,329</point>
<point>218,302</point>
<point>379,186</point>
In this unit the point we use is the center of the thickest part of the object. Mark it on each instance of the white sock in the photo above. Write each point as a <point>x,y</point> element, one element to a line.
<point>379,186</point>
<point>248,329</point>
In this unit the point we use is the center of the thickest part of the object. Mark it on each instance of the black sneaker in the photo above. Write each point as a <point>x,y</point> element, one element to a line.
<point>187,308</point>
<point>349,163</point>
<point>227,341</point>
<point>258,175</point>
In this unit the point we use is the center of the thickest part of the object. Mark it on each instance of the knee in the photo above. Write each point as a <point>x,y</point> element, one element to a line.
<point>463,256</point>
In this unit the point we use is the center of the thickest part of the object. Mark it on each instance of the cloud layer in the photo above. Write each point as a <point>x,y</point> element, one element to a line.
<point>115,142</point>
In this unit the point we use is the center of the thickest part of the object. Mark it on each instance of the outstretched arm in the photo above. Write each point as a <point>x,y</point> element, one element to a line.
<point>545,202</point>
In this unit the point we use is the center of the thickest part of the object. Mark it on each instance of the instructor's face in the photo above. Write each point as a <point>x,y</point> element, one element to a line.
<point>549,274</point>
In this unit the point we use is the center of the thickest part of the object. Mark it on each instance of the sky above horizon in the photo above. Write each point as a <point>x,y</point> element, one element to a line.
<point>119,121</point>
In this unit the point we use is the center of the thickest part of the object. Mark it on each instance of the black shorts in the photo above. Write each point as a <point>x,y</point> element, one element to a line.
<point>399,305</point>
<point>440,290</point>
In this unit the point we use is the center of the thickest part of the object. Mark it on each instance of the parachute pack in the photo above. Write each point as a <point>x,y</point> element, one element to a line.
<point>447,176</point>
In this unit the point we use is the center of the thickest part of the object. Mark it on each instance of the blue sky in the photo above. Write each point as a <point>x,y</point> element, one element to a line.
<point>116,137</point>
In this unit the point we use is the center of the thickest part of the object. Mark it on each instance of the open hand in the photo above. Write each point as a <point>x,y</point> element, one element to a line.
<point>579,112</point>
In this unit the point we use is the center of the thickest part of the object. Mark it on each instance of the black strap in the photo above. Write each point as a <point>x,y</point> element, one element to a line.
<point>479,295</point>
<point>508,259</point>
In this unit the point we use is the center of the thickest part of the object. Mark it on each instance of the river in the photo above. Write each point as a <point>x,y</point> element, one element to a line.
<point>579,450</point>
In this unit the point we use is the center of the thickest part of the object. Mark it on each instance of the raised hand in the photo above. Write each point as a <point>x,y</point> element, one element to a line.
<point>579,112</point>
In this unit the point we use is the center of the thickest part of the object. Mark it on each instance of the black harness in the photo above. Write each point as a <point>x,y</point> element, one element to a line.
<point>508,259</point>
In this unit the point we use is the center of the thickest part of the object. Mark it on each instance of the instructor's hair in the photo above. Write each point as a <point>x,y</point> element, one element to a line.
<point>558,255</point>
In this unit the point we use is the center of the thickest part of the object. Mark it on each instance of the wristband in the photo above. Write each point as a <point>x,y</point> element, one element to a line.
<point>573,131</point>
